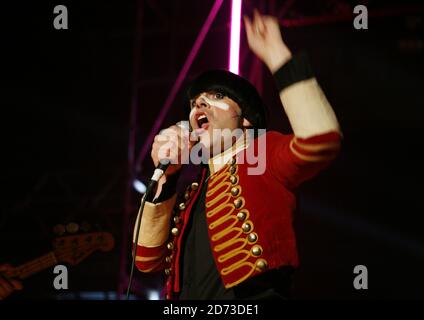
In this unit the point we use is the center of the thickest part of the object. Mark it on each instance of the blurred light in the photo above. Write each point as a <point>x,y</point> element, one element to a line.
<point>139,186</point>
<point>90,295</point>
<point>153,295</point>
<point>235,36</point>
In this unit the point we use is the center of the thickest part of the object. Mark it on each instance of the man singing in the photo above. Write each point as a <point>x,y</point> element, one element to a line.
<point>230,234</point>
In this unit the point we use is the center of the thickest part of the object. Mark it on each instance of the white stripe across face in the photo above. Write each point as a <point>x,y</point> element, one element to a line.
<point>219,104</point>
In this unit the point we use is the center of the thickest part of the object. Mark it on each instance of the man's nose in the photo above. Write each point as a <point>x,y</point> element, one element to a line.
<point>201,102</point>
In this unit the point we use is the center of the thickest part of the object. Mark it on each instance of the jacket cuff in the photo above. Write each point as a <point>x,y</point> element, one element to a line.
<point>155,223</point>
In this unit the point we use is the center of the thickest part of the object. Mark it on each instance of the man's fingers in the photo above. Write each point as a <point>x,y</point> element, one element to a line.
<point>5,285</point>
<point>5,267</point>
<point>248,26</point>
<point>16,284</point>
<point>272,25</point>
<point>169,152</point>
<point>172,141</point>
<point>258,22</point>
<point>174,131</point>
<point>167,131</point>
<point>170,135</point>
<point>173,144</point>
<point>177,129</point>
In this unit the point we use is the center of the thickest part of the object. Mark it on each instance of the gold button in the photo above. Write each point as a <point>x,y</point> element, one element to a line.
<point>168,259</point>
<point>175,231</point>
<point>246,227</point>
<point>235,191</point>
<point>233,179</point>
<point>233,169</point>
<point>256,251</point>
<point>186,195</point>
<point>241,215</point>
<point>252,237</point>
<point>233,161</point>
<point>182,206</point>
<point>168,271</point>
<point>194,185</point>
<point>170,246</point>
<point>238,203</point>
<point>177,220</point>
<point>261,264</point>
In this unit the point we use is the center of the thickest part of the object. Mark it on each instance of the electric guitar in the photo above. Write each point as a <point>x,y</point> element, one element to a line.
<point>70,249</point>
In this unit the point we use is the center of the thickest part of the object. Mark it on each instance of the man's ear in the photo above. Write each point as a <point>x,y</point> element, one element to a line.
<point>246,123</point>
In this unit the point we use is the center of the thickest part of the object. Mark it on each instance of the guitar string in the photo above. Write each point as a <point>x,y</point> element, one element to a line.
<point>35,265</point>
<point>48,259</point>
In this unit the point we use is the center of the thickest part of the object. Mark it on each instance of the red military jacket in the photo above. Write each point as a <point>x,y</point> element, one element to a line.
<point>249,216</point>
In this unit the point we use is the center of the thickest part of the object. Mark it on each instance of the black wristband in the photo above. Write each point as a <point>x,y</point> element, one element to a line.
<point>169,188</point>
<point>296,69</point>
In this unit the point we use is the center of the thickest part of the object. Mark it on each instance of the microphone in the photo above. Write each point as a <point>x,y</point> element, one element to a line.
<point>164,163</point>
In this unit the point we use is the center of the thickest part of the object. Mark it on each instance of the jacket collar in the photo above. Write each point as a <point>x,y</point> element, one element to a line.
<point>220,160</point>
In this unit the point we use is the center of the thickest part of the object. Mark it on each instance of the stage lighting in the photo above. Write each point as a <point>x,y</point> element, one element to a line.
<point>235,36</point>
<point>139,186</point>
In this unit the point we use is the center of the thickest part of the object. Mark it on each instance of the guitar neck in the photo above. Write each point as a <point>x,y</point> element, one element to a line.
<point>27,269</point>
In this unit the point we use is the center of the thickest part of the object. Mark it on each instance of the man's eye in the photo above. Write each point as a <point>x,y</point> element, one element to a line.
<point>193,103</point>
<point>218,95</point>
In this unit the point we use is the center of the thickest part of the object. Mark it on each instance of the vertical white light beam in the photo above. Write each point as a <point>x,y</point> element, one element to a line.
<point>235,36</point>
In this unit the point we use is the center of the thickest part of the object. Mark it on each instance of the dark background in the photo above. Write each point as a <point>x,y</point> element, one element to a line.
<point>66,96</point>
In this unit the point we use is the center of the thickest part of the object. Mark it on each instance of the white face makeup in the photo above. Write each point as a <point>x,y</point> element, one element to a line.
<point>213,103</point>
<point>210,113</point>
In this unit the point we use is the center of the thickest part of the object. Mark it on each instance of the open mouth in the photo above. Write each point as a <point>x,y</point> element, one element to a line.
<point>202,121</point>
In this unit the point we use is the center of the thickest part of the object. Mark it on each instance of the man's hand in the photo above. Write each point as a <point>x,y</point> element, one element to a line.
<point>7,286</point>
<point>171,143</point>
<point>264,39</point>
